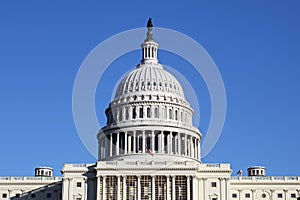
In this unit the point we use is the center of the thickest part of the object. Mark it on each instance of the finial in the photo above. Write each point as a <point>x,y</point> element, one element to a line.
<point>149,33</point>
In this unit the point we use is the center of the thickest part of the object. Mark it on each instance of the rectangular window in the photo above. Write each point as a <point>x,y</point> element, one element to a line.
<point>279,195</point>
<point>293,195</point>
<point>4,195</point>
<point>78,184</point>
<point>17,195</point>
<point>78,198</point>
<point>214,198</point>
<point>48,195</point>
<point>247,195</point>
<point>234,195</point>
<point>213,184</point>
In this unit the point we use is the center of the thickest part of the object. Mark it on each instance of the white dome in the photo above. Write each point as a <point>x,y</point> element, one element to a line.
<point>149,113</point>
<point>149,78</point>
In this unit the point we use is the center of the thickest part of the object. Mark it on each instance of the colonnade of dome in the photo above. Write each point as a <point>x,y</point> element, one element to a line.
<point>129,142</point>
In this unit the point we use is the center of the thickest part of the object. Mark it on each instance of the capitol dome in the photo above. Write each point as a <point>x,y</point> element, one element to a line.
<point>149,78</point>
<point>149,115</point>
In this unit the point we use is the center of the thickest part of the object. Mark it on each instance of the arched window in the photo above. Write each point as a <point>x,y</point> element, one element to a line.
<point>141,112</point>
<point>127,113</point>
<point>181,116</point>
<point>156,112</point>
<point>170,114</point>
<point>148,112</point>
<point>133,112</point>
<point>176,114</point>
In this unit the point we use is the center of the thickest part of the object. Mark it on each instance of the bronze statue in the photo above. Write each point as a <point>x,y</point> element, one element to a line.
<point>149,23</point>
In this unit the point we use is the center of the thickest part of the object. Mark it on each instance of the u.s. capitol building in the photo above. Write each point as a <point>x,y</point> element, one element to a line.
<point>149,149</point>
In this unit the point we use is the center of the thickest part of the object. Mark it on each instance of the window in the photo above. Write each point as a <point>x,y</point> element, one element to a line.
<point>32,195</point>
<point>263,195</point>
<point>148,112</point>
<point>247,195</point>
<point>48,195</point>
<point>141,112</point>
<point>133,113</point>
<point>213,184</point>
<point>17,195</point>
<point>156,112</point>
<point>279,195</point>
<point>78,184</point>
<point>293,195</point>
<point>78,198</point>
<point>4,195</point>
<point>234,195</point>
<point>170,114</point>
<point>214,198</point>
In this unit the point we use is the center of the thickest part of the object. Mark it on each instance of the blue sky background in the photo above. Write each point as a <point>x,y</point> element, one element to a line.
<point>255,45</point>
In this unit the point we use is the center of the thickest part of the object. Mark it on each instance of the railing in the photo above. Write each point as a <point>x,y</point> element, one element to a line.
<point>30,178</point>
<point>148,163</point>
<point>266,178</point>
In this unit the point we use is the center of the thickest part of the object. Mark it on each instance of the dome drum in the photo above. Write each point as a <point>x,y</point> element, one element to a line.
<point>147,112</point>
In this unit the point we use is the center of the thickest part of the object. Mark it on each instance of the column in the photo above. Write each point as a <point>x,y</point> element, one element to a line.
<point>227,190</point>
<point>192,147</point>
<point>125,143</point>
<point>110,145</point>
<point>139,187</point>
<point>124,188</point>
<point>85,187</point>
<point>153,188</point>
<point>173,188</point>
<point>99,149</point>
<point>65,189</point>
<point>106,147</point>
<point>204,187</point>
<point>185,144</point>
<point>129,143</point>
<point>222,188</point>
<point>117,144</point>
<point>162,142</point>
<point>199,150</point>
<point>118,188</point>
<point>194,187</point>
<point>252,195</point>
<point>103,187</point>
<point>285,196</point>
<point>134,142</point>
<point>176,144</point>
<point>200,189</point>
<point>179,143</point>
<point>70,190</point>
<point>188,187</point>
<point>144,142</point>
<point>97,188</point>
<point>152,141</point>
<point>169,143</point>
<point>168,187</point>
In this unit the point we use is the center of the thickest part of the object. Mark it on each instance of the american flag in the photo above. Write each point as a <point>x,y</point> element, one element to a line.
<point>148,150</point>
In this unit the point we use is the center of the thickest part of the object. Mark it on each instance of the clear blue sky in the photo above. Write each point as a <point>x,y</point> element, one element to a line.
<point>255,45</point>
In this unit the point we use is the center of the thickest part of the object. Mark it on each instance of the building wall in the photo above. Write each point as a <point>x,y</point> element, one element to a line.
<point>261,188</point>
<point>30,188</point>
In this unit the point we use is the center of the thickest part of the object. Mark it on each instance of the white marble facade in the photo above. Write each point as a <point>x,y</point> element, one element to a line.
<point>149,149</point>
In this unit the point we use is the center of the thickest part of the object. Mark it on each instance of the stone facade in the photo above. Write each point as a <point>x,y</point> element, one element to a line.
<point>149,149</point>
